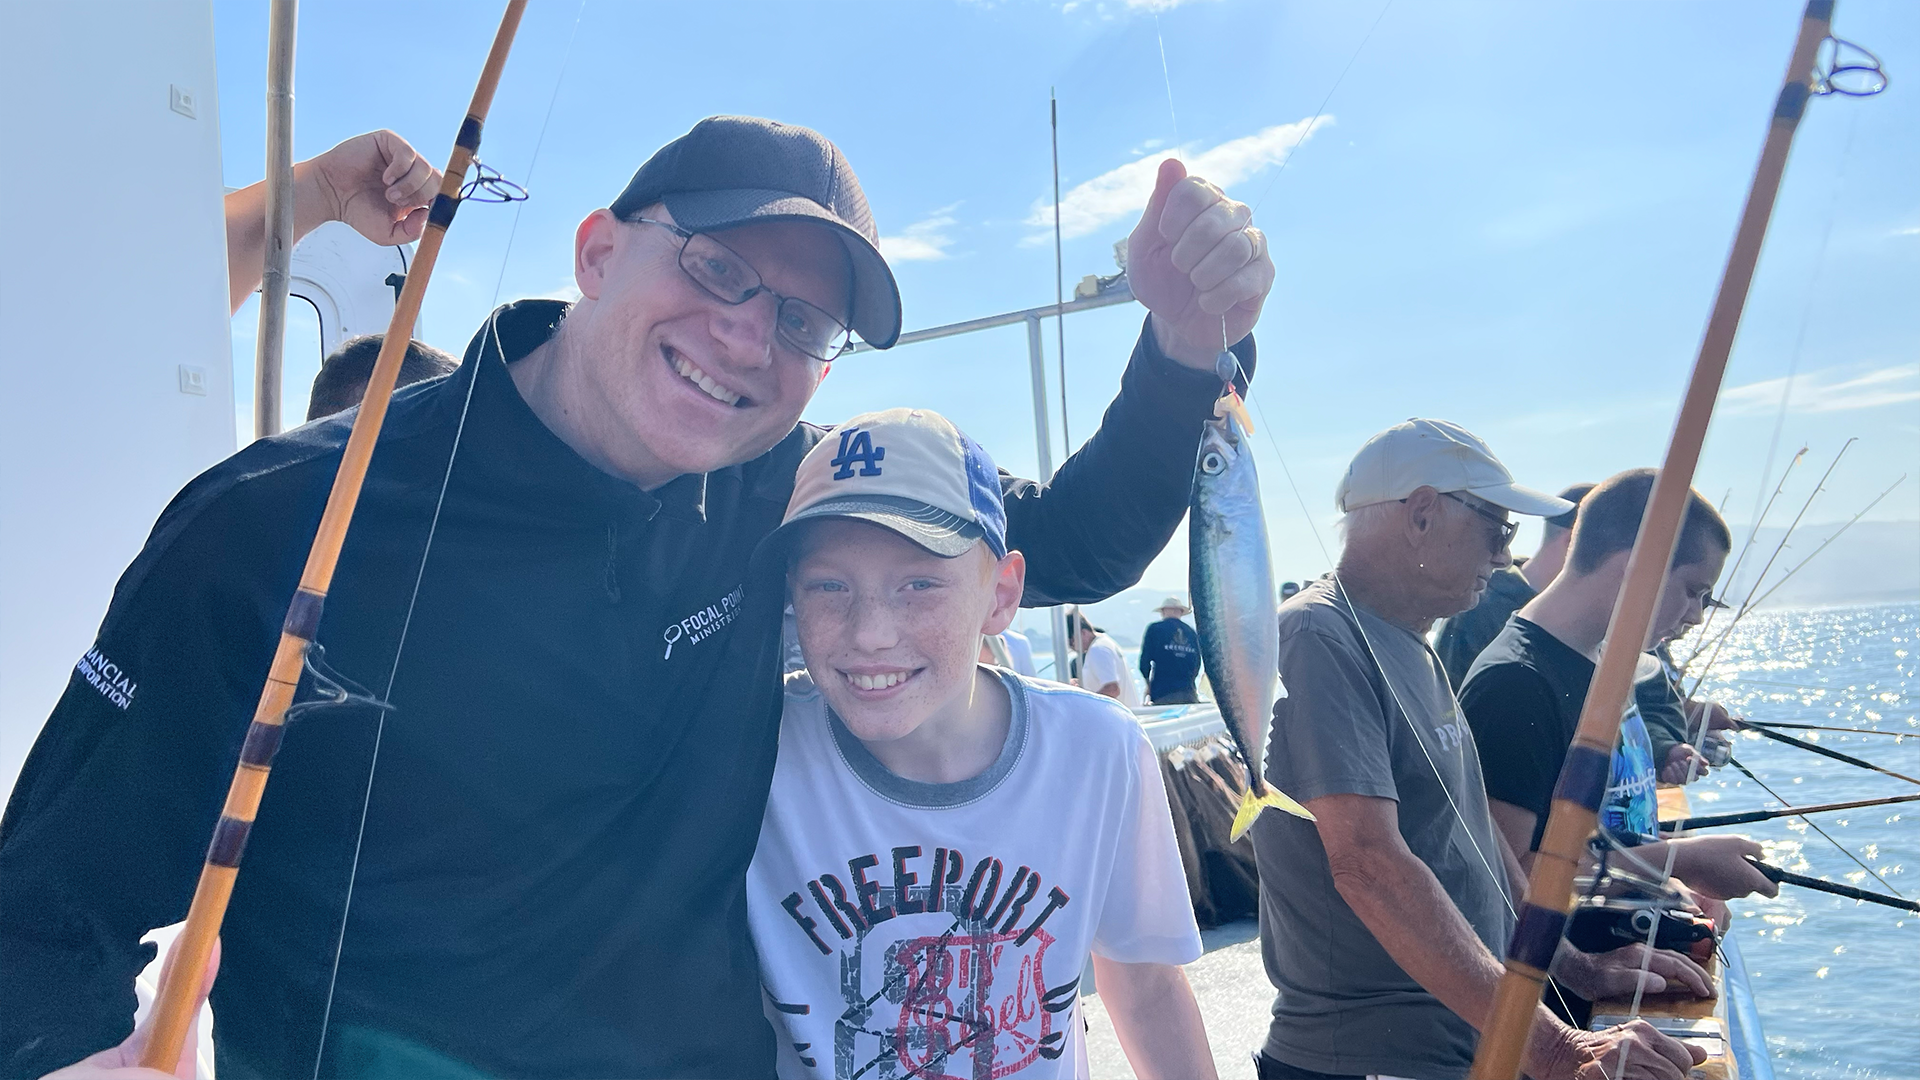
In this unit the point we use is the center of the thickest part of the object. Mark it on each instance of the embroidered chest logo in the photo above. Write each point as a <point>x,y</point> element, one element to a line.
<point>704,623</point>
<point>856,448</point>
<point>105,676</point>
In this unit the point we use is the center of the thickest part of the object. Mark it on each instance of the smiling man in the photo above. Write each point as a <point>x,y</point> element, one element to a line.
<point>549,580</point>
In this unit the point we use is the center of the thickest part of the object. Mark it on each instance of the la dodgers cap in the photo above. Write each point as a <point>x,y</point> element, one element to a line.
<point>909,470</point>
<point>740,170</point>
<point>1441,455</point>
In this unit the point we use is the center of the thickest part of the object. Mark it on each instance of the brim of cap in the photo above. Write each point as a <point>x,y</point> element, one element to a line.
<point>944,534</point>
<point>1523,500</point>
<point>876,296</point>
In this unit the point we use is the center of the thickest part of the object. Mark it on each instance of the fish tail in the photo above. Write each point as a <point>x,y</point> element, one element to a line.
<point>1252,803</point>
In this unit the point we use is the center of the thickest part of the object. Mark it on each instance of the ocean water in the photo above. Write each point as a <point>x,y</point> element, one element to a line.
<point>1837,982</point>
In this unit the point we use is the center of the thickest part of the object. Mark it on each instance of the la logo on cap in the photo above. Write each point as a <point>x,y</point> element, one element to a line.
<point>856,448</point>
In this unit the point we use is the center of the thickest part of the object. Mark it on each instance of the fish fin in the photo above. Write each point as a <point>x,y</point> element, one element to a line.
<point>1251,805</point>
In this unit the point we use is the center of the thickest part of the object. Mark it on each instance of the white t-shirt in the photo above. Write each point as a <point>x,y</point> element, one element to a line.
<point>1104,663</point>
<point>1064,846</point>
<point>1021,650</point>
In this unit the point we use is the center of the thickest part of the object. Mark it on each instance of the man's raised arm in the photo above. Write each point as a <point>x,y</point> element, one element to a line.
<point>1203,273</point>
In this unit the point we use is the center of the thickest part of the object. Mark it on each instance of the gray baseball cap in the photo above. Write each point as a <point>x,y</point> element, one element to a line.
<point>738,170</point>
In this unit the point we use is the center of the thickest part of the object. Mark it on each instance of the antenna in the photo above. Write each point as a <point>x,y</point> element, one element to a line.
<point>1059,278</point>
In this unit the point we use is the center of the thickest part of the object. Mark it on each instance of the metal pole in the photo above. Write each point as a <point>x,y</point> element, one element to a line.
<point>270,345</point>
<point>1043,445</point>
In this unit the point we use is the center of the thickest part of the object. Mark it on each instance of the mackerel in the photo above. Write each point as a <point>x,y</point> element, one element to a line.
<point>1231,578</point>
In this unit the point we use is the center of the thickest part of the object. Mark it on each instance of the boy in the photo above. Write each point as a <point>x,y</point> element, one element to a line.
<point>946,843</point>
<point>1524,694</point>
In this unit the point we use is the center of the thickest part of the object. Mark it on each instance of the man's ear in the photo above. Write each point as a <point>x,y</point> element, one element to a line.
<point>1009,584</point>
<point>594,244</point>
<point>1423,512</point>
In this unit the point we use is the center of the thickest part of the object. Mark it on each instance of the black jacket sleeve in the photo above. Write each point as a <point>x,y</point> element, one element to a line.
<point>1091,530</point>
<point>108,823</point>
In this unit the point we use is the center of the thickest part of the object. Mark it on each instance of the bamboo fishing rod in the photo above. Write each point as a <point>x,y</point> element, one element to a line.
<point>1788,877</point>
<point>1571,820</point>
<point>1713,821</point>
<point>174,1005</point>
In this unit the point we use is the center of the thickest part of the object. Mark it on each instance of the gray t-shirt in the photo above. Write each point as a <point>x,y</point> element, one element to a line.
<point>1343,1005</point>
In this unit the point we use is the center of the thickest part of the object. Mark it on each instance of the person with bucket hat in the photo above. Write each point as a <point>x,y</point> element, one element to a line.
<point>535,862</point>
<point>1170,656</point>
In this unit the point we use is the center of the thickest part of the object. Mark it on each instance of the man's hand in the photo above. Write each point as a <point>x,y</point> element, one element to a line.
<point>1561,1053</point>
<point>1194,258</point>
<point>1615,973</point>
<point>123,1062</point>
<point>376,182</point>
<point>1684,765</point>
<point>1717,866</point>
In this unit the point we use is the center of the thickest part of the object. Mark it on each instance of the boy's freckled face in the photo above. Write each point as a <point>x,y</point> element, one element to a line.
<point>890,631</point>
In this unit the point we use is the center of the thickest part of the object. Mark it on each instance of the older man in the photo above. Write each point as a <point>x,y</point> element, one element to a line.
<point>545,874</point>
<point>1383,920</point>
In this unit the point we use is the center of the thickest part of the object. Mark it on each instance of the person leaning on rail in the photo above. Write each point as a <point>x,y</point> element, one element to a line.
<point>1524,695</point>
<point>1382,923</point>
<point>551,874</point>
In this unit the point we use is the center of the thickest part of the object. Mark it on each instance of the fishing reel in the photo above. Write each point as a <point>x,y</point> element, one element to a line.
<point>1608,923</point>
<point>1620,908</point>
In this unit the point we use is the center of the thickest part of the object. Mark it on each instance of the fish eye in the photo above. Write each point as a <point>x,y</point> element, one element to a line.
<point>1212,462</point>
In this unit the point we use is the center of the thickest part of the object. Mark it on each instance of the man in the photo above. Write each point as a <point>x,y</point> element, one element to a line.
<point>549,875</point>
<point>1524,694</point>
<point>1103,666</point>
<point>343,376</point>
<point>1463,636</point>
<point>1170,656</point>
<point>1382,922</point>
<point>1019,651</point>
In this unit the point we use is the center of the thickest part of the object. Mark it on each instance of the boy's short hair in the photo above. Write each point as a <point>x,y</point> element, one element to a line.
<point>1609,520</point>
<point>343,377</point>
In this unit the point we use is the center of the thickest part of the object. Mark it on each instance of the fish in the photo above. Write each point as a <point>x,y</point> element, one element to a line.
<point>1231,578</point>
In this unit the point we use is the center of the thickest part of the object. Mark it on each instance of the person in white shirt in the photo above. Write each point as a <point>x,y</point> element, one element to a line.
<point>1103,667</point>
<point>1020,649</point>
<point>947,843</point>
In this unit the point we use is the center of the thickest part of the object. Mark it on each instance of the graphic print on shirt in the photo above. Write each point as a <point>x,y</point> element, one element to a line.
<point>958,990</point>
<point>1631,808</point>
<point>105,676</point>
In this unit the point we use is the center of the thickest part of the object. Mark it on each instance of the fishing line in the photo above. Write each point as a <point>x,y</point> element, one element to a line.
<point>433,526</point>
<point>1322,111</point>
<point>1166,75</point>
<point>1806,311</point>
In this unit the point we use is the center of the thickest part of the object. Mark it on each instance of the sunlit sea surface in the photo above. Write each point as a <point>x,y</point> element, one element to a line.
<point>1837,982</point>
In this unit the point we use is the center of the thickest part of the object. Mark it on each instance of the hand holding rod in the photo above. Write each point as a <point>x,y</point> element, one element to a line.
<point>173,1007</point>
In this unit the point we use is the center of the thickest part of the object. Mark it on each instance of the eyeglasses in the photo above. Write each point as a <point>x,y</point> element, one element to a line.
<point>1507,528</point>
<point>730,279</point>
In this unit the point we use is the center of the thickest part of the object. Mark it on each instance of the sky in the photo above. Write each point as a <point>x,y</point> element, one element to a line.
<point>1512,216</point>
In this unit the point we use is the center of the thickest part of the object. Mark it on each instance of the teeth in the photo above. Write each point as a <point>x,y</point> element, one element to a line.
<point>877,682</point>
<point>702,380</point>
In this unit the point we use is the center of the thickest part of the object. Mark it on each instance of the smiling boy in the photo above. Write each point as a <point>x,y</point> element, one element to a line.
<point>946,843</point>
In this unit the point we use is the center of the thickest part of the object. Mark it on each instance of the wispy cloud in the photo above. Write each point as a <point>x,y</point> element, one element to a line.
<point>1915,231</point>
<point>1826,391</point>
<point>925,240</point>
<point>1120,192</point>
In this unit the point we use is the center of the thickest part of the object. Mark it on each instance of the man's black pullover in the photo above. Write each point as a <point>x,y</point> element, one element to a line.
<point>572,778</point>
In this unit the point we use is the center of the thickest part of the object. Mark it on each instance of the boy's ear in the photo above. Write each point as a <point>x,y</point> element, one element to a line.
<point>1009,584</point>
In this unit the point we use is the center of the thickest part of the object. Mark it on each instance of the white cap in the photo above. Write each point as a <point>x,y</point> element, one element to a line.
<point>909,470</point>
<point>1443,456</point>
